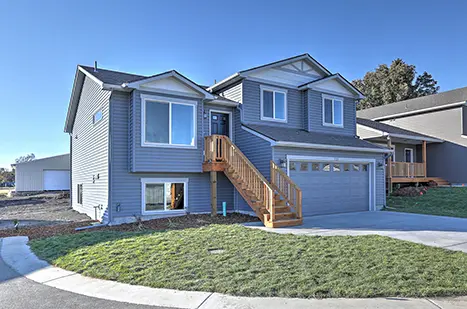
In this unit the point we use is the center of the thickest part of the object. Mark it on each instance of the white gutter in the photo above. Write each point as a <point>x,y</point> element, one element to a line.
<point>420,111</point>
<point>417,138</point>
<point>330,147</point>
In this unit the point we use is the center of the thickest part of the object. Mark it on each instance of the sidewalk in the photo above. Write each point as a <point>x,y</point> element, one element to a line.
<point>16,253</point>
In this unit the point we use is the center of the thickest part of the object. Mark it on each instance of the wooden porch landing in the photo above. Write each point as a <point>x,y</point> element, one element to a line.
<point>438,180</point>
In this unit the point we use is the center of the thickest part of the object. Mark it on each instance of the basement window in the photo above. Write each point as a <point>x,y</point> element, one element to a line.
<point>160,195</point>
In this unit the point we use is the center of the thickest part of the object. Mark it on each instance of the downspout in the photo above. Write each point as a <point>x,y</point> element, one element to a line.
<point>109,162</point>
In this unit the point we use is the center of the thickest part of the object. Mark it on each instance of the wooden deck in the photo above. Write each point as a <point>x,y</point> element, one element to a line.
<point>438,180</point>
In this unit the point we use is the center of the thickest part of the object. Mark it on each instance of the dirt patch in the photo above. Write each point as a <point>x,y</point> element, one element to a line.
<point>182,222</point>
<point>42,209</point>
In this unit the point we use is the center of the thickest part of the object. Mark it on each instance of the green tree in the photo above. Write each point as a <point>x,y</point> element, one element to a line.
<point>397,82</point>
<point>6,175</point>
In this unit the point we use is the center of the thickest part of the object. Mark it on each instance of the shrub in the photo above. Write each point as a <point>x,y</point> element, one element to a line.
<point>410,191</point>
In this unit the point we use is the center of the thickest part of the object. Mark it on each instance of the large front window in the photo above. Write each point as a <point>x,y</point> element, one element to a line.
<point>333,114</point>
<point>164,195</point>
<point>169,123</point>
<point>273,104</point>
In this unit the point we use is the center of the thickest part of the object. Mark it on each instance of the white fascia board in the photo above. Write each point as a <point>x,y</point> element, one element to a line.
<point>330,147</point>
<point>423,110</point>
<point>91,76</point>
<point>312,85</point>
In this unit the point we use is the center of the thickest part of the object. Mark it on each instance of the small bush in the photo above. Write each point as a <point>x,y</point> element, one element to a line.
<point>410,191</point>
<point>432,183</point>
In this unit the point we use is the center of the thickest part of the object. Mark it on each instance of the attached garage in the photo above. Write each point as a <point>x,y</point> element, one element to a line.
<point>333,185</point>
<point>46,174</point>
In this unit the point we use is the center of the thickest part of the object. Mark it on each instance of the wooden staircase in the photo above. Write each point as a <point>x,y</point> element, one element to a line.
<point>277,203</point>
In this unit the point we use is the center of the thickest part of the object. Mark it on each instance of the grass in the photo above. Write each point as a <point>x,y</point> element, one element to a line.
<point>256,263</point>
<point>451,202</point>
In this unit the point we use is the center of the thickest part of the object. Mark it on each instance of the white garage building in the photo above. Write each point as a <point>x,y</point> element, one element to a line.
<point>46,174</point>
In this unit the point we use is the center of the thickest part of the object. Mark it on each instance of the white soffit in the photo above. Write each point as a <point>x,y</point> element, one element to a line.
<point>333,86</point>
<point>170,84</point>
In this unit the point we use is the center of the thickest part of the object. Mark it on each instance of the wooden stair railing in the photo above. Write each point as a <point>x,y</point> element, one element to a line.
<point>283,184</point>
<point>264,198</point>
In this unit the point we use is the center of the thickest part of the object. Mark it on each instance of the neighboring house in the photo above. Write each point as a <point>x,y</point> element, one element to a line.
<point>283,134</point>
<point>46,174</point>
<point>441,116</point>
<point>408,161</point>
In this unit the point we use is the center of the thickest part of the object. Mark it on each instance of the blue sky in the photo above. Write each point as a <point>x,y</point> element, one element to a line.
<point>43,41</point>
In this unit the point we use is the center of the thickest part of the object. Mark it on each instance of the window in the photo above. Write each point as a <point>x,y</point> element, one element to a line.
<point>346,167</point>
<point>164,195</point>
<point>326,167</point>
<point>273,104</point>
<point>336,167</point>
<point>169,123</point>
<point>315,166</point>
<point>355,167</point>
<point>79,194</point>
<point>333,114</point>
<point>292,166</point>
<point>304,167</point>
<point>97,116</point>
<point>364,167</point>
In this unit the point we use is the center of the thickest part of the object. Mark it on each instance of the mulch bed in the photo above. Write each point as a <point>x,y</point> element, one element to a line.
<point>173,223</point>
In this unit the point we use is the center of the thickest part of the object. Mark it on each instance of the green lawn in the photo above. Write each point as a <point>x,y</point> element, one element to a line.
<point>451,202</point>
<point>257,263</point>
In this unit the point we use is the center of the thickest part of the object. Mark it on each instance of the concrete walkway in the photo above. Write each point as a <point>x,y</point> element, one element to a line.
<point>445,232</point>
<point>48,280</point>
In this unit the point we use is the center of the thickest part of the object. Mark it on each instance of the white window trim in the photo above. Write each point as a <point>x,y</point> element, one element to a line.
<point>164,181</point>
<point>371,171</point>
<point>273,90</point>
<point>221,112</point>
<point>333,100</point>
<point>411,154</point>
<point>169,101</point>
<point>94,122</point>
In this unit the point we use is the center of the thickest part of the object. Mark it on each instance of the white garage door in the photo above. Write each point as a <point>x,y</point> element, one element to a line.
<point>329,187</point>
<point>56,180</point>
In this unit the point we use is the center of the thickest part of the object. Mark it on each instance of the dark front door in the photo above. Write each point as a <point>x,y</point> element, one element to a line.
<point>220,123</point>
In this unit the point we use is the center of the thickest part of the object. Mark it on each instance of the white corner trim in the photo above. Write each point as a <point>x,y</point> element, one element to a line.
<point>164,181</point>
<point>230,120</point>
<point>333,99</point>
<point>371,171</point>
<point>273,90</point>
<point>170,101</point>
<point>271,141</point>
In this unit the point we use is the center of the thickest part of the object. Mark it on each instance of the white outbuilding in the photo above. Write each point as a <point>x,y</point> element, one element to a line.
<point>46,174</point>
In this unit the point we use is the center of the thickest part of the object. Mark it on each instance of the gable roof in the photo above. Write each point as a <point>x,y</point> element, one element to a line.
<point>337,77</point>
<point>241,74</point>
<point>451,98</point>
<point>288,136</point>
<point>112,77</point>
<point>387,129</point>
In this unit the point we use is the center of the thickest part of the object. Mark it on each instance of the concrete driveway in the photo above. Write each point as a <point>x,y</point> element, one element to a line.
<point>445,232</point>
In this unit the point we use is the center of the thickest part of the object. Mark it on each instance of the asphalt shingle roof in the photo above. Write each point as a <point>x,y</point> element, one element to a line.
<point>387,128</point>
<point>113,77</point>
<point>279,134</point>
<point>412,105</point>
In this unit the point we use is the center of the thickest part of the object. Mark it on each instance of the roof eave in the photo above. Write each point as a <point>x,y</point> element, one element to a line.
<point>225,82</point>
<point>331,147</point>
<point>310,85</point>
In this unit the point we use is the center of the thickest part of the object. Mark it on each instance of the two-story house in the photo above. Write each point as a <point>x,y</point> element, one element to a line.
<point>277,140</point>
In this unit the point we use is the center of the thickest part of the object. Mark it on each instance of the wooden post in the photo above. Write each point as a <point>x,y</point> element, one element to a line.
<point>389,167</point>
<point>424,158</point>
<point>213,193</point>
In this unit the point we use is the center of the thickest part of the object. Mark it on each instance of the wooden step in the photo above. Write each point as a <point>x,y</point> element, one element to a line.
<point>281,216</point>
<point>283,223</point>
<point>281,209</point>
<point>281,203</point>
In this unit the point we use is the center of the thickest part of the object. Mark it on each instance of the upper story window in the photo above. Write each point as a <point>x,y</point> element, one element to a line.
<point>333,111</point>
<point>97,116</point>
<point>273,104</point>
<point>168,123</point>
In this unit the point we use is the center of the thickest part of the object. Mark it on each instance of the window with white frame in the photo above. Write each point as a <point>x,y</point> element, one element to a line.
<point>164,195</point>
<point>333,111</point>
<point>273,104</point>
<point>167,123</point>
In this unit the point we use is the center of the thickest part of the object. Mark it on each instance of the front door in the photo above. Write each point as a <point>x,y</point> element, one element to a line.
<point>220,123</point>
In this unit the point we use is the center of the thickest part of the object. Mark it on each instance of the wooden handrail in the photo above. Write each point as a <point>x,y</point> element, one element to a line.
<point>407,169</point>
<point>287,188</point>
<point>219,148</point>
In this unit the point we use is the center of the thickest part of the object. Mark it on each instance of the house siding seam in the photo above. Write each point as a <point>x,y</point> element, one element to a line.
<point>89,145</point>
<point>252,105</point>
<point>380,182</point>
<point>126,186</point>
<point>315,115</point>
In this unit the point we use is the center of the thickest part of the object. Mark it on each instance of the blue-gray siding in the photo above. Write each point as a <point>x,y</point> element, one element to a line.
<point>252,105</point>
<point>126,186</point>
<point>89,148</point>
<point>282,152</point>
<point>315,115</point>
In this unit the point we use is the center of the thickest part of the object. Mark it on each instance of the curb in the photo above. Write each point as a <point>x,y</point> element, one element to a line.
<point>17,254</point>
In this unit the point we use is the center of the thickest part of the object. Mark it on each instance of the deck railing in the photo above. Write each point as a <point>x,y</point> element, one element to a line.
<point>286,188</point>
<point>219,148</point>
<point>406,169</point>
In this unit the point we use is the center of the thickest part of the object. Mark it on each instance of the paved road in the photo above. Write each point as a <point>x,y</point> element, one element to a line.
<point>445,232</point>
<point>17,292</point>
